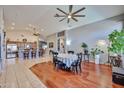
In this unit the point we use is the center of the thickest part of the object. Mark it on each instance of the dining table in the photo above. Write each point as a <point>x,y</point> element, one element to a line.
<point>67,59</point>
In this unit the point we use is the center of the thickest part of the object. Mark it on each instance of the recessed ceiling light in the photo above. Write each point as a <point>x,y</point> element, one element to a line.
<point>33,26</point>
<point>42,29</point>
<point>29,25</point>
<point>12,28</point>
<point>27,28</point>
<point>13,23</point>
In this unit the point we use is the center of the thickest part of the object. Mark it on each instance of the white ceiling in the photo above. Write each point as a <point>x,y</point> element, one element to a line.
<point>42,17</point>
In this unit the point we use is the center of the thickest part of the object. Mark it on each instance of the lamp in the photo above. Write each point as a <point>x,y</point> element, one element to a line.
<point>69,16</point>
<point>68,42</point>
<point>101,42</point>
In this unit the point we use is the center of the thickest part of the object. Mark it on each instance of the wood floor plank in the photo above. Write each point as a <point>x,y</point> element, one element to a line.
<point>11,80</point>
<point>34,81</point>
<point>23,82</point>
<point>29,64</point>
<point>3,78</point>
<point>0,79</point>
<point>16,73</point>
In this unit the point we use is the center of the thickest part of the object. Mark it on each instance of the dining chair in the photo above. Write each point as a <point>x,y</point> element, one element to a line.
<point>55,62</point>
<point>58,64</point>
<point>54,54</point>
<point>70,52</point>
<point>79,56</point>
<point>55,59</point>
<point>76,65</point>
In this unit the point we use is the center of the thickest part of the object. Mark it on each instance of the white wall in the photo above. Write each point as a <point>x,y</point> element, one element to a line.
<point>91,33</point>
<point>52,38</point>
<point>16,35</point>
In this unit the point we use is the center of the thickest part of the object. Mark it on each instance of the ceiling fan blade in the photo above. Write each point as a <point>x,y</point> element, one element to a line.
<point>74,19</point>
<point>62,11</point>
<point>78,15</point>
<point>62,19</point>
<point>70,8</point>
<point>34,34</point>
<point>68,20</point>
<point>79,10</point>
<point>57,15</point>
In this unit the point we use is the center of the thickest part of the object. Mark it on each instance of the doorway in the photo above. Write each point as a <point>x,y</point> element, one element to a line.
<point>61,41</point>
<point>61,45</point>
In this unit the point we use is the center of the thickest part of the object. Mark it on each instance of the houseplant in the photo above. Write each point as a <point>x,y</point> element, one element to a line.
<point>116,39</point>
<point>84,46</point>
<point>95,52</point>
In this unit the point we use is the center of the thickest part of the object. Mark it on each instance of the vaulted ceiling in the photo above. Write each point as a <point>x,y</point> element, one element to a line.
<point>42,17</point>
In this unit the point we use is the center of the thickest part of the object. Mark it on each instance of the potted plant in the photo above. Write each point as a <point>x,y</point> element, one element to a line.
<point>95,52</point>
<point>116,39</point>
<point>84,46</point>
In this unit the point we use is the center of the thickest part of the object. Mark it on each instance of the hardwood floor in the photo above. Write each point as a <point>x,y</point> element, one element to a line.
<point>92,76</point>
<point>17,74</point>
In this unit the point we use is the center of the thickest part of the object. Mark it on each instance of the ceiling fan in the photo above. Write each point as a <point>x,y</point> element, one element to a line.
<point>35,33</point>
<point>69,15</point>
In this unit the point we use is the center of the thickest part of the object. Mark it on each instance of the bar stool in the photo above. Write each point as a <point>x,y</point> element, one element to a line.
<point>26,54</point>
<point>33,54</point>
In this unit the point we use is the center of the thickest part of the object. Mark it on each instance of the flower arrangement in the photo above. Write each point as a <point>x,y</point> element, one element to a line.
<point>96,51</point>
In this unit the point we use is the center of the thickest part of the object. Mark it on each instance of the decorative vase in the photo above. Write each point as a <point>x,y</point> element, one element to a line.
<point>97,59</point>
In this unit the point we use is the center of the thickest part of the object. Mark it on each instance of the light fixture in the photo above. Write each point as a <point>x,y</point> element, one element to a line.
<point>28,46</point>
<point>101,42</point>
<point>42,29</point>
<point>69,16</point>
<point>27,28</point>
<point>29,25</point>
<point>13,23</point>
<point>68,42</point>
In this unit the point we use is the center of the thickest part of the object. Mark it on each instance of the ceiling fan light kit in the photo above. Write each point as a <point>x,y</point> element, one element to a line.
<point>69,15</point>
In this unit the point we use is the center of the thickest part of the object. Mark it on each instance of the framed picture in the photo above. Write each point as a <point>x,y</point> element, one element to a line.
<point>51,45</point>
